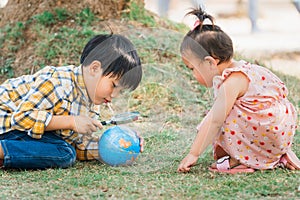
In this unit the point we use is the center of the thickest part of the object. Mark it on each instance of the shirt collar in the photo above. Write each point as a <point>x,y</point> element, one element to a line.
<point>80,84</point>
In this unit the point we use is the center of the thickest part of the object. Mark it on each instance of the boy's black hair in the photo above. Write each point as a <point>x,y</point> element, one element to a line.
<point>118,58</point>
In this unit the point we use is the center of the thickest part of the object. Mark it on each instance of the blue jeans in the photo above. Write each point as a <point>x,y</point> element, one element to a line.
<point>253,14</point>
<point>24,152</point>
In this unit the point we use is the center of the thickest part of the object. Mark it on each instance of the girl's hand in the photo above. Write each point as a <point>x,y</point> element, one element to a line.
<point>141,142</point>
<point>85,125</point>
<point>187,163</point>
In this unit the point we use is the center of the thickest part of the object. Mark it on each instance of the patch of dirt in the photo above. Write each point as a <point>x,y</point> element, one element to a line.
<point>108,11</point>
<point>22,10</point>
<point>25,56</point>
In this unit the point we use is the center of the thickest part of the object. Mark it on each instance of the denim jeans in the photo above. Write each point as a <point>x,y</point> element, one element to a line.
<point>253,14</point>
<point>24,152</point>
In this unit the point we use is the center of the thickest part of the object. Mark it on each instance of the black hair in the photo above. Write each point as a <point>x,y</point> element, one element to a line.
<point>118,58</point>
<point>207,39</point>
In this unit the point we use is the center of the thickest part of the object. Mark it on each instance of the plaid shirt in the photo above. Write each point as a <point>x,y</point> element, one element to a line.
<point>27,103</point>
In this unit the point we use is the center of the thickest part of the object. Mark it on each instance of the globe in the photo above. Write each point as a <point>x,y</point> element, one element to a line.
<point>119,146</point>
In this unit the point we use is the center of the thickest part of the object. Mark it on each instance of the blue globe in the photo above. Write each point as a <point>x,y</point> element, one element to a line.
<point>119,145</point>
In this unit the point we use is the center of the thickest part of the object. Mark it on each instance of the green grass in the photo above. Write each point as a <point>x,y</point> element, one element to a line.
<point>138,13</point>
<point>171,104</point>
<point>6,68</point>
<point>13,34</point>
<point>91,180</point>
<point>85,17</point>
<point>47,32</point>
<point>49,46</point>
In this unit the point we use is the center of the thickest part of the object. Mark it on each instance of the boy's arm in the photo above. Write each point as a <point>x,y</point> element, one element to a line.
<point>58,122</point>
<point>87,146</point>
<point>36,110</point>
<point>80,124</point>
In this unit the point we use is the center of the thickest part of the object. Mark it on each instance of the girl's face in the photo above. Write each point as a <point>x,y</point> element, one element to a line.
<point>203,71</point>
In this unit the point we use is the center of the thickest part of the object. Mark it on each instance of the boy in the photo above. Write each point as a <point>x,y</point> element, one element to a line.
<point>46,116</point>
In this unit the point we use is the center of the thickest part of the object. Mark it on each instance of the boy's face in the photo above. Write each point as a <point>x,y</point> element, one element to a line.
<point>106,89</point>
<point>101,89</point>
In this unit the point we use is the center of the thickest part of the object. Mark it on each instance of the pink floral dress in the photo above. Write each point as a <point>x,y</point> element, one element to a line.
<point>261,125</point>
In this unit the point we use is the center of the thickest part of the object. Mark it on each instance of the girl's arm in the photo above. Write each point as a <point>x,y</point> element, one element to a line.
<point>234,87</point>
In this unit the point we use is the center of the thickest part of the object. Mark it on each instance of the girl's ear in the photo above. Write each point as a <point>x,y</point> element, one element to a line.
<point>212,61</point>
<point>95,67</point>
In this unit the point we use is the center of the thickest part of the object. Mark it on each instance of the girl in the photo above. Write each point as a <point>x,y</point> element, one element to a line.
<point>251,122</point>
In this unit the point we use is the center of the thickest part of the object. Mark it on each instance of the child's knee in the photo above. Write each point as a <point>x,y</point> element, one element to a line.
<point>68,158</point>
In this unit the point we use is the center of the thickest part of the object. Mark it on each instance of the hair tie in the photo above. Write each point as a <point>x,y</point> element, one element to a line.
<point>197,23</point>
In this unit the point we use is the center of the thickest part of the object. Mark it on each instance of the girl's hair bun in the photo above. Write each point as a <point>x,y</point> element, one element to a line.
<point>201,15</point>
<point>207,39</point>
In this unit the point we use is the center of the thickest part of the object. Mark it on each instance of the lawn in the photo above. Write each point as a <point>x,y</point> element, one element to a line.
<point>171,104</point>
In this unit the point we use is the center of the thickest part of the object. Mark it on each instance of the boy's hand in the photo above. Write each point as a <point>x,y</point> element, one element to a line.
<point>187,163</point>
<point>86,125</point>
<point>141,142</point>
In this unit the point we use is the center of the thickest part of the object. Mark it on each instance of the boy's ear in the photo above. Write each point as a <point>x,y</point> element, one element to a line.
<point>212,61</point>
<point>95,67</point>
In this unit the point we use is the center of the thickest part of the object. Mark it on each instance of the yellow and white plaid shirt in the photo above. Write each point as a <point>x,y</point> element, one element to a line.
<point>27,103</point>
